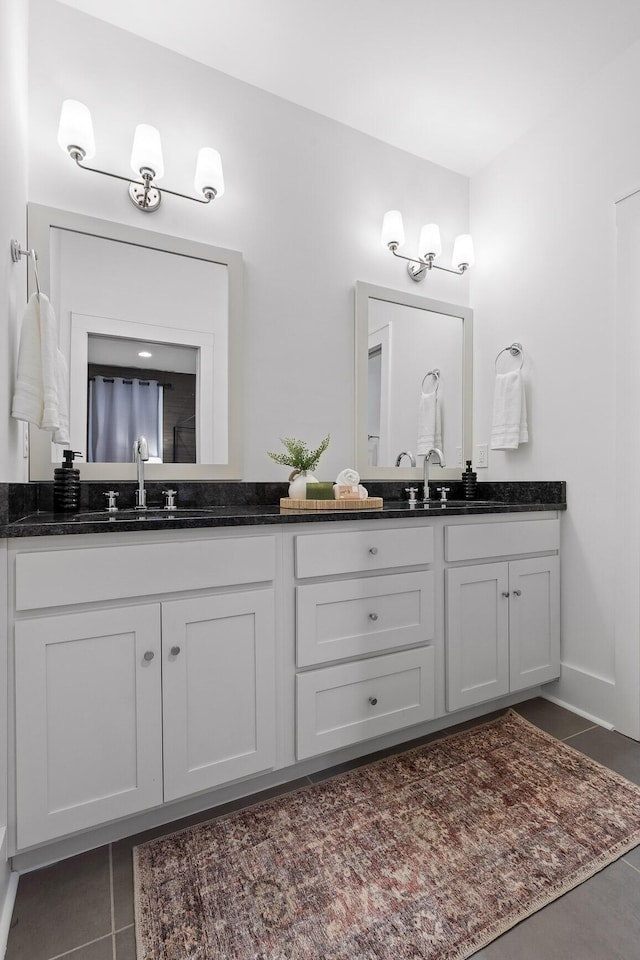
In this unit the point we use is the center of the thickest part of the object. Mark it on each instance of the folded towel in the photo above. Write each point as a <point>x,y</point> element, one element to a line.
<point>348,476</point>
<point>509,427</point>
<point>429,423</point>
<point>40,395</point>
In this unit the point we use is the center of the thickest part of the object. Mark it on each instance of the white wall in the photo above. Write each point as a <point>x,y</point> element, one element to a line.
<point>304,203</point>
<point>13,196</point>
<point>13,225</point>
<point>543,217</point>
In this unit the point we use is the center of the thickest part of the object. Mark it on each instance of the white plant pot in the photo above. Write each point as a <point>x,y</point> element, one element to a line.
<point>298,485</point>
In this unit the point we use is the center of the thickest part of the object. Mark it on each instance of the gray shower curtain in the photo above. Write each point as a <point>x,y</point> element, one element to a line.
<point>120,410</point>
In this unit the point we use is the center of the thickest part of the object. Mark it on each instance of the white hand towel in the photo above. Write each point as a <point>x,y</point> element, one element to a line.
<point>348,476</point>
<point>509,427</point>
<point>40,395</point>
<point>429,423</point>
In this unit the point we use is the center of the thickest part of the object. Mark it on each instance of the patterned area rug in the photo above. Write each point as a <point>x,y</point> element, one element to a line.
<point>427,854</point>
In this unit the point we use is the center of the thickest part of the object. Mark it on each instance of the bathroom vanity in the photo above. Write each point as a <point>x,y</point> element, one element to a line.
<point>155,672</point>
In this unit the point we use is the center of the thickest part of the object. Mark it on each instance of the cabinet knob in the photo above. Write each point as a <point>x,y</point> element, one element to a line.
<point>174,651</point>
<point>373,616</point>
<point>149,655</point>
<point>373,551</point>
<point>373,701</point>
<point>505,594</point>
<point>517,593</point>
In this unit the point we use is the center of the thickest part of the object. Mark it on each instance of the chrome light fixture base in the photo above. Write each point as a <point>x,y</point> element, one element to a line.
<point>144,196</point>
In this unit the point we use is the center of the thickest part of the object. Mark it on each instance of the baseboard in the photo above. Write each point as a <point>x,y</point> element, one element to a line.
<point>8,890</point>
<point>584,693</point>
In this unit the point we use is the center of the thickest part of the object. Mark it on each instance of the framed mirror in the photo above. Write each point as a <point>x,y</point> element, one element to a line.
<point>414,370</point>
<point>151,328</point>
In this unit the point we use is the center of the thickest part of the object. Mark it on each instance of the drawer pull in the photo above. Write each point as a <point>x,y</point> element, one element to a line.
<point>149,655</point>
<point>517,593</point>
<point>373,701</point>
<point>373,551</point>
<point>505,593</point>
<point>174,651</point>
<point>373,616</point>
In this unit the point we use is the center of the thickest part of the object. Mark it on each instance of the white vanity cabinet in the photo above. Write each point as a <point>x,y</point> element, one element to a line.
<point>88,719</point>
<point>354,613</point>
<point>190,667</point>
<point>120,705</point>
<point>502,618</point>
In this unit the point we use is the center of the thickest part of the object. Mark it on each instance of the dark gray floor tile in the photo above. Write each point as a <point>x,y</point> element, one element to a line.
<point>633,857</point>
<point>126,944</point>
<point>612,749</point>
<point>99,950</point>
<point>553,719</point>
<point>599,920</point>
<point>122,884</point>
<point>61,907</point>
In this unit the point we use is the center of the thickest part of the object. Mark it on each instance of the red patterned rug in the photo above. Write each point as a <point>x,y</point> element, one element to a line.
<point>427,854</point>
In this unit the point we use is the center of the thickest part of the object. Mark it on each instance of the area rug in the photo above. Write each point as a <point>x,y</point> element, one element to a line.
<point>427,855</point>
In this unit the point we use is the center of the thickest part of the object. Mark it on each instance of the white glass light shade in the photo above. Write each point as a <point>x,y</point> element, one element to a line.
<point>147,151</point>
<point>430,242</point>
<point>463,251</point>
<point>209,171</point>
<point>392,229</point>
<point>76,129</point>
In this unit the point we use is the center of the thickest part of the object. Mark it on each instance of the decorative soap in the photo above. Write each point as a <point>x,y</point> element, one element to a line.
<point>320,491</point>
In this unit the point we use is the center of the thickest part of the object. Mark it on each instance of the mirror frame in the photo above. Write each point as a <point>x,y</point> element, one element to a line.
<point>40,221</point>
<point>369,291</point>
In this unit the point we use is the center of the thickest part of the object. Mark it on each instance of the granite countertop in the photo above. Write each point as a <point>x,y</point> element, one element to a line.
<point>234,505</point>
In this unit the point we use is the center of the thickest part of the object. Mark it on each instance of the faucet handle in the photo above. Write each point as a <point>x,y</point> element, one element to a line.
<point>443,491</point>
<point>412,493</point>
<point>111,495</point>
<point>170,499</point>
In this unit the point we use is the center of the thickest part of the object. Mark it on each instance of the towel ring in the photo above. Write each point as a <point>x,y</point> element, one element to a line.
<point>435,373</point>
<point>515,349</point>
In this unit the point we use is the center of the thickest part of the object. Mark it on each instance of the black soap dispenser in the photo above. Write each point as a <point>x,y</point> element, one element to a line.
<point>469,477</point>
<point>66,484</point>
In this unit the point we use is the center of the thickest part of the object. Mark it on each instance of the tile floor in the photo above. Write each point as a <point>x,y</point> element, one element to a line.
<point>82,908</point>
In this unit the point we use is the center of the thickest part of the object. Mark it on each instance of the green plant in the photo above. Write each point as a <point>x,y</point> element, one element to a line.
<point>298,454</point>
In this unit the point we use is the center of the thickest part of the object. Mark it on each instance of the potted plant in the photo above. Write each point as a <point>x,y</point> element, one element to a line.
<point>304,462</point>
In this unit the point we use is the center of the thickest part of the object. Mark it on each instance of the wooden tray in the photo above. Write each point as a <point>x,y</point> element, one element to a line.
<point>369,503</point>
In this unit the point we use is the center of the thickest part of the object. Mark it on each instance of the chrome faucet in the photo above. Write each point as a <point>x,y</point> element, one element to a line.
<point>140,454</point>
<point>425,477</point>
<point>406,453</point>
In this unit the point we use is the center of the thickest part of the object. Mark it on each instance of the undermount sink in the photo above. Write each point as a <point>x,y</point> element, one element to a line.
<point>439,504</point>
<point>151,513</point>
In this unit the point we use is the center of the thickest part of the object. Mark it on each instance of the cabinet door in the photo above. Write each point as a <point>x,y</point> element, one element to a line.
<point>218,689</point>
<point>477,611</point>
<point>88,719</point>
<point>534,621</point>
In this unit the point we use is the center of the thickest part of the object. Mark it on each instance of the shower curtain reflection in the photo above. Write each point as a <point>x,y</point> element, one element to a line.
<point>120,410</point>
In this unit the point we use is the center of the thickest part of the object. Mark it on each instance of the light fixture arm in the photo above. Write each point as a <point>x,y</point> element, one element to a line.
<point>417,269</point>
<point>77,154</point>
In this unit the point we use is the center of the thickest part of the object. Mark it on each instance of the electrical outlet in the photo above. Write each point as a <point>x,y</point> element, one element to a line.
<point>458,456</point>
<point>25,441</point>
<point>482,455</point>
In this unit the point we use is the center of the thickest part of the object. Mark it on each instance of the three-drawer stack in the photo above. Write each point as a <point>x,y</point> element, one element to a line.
<point>364,635</point>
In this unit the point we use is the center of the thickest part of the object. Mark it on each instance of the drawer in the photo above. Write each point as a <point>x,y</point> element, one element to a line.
<point>349,618</point>
<point>325,554</point>
<point>53,578</point>
<point>477,541</point>
<point>351,702</point>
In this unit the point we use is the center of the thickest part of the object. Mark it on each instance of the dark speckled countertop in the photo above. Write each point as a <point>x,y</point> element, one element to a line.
<point>25,509</point>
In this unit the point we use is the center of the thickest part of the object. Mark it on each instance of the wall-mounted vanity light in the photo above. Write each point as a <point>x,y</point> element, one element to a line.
<point>429,247</point>
<point>75,136</point>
